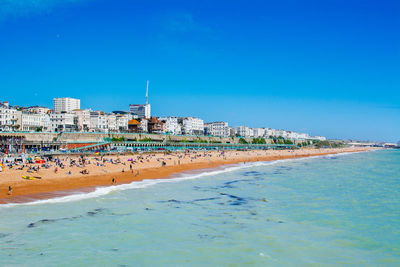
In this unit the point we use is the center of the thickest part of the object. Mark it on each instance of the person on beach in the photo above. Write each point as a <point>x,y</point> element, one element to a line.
<point>114,180</point>
<point>9,190</point>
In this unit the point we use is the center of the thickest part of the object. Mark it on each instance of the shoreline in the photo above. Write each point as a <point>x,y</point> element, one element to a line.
<point>28,191</point>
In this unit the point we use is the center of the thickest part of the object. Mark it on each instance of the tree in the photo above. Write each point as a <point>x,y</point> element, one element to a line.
<point>242,141</point>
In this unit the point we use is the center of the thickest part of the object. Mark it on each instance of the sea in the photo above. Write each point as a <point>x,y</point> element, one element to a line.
<point>332,210</point>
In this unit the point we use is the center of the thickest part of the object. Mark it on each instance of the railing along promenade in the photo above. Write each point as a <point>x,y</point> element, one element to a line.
<point>172,146</point>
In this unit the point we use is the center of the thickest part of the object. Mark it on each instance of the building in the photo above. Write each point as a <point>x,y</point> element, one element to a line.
<point>218,128</point>
<point>320,138</point>
<point>112,123</point>
<point>134,126</point>
<point>122,122</point>
<point>66,104</point>
<point>45,122</point>
<point>98,122</point>
<point>82,119</point>
<point>8,117</point>
<point>297,136</point>
<point>243,131</point>
<point>171,125</point>
<point>268,132</point>
<point>155,125</point>
<point>63,122</point>
<point>29,122</point>
<point>258,132</point>
<point>142,111</point>
<point>281,134</point>
<point>192,126</point>
<point>38,110</point>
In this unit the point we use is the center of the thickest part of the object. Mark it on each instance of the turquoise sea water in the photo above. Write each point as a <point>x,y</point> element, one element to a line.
<point>325,211</point>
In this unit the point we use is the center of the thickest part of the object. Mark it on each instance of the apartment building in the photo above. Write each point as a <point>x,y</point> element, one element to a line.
<point>8,117</point>
<point>82,119</point>
<point>171,125</point>
<point>62,122</point>
<point>98,122</point>
<point>66,104</point>
<point>243,131</point>
<point>192,126</point>
<point>218,128</point>
<point>143,111</point>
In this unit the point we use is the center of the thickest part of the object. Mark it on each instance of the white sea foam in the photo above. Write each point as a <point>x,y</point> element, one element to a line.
<point>105,190</point>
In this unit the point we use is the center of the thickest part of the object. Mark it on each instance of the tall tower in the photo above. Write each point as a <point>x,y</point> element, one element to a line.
<point>147,93</point>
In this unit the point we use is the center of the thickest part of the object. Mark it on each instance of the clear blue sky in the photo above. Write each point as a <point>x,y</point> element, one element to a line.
<point>325,67</point>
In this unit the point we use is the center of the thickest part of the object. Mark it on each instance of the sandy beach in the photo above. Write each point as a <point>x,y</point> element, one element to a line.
<point>65,174</point>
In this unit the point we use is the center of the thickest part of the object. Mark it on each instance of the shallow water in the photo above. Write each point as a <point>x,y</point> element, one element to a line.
<point>331,211</point>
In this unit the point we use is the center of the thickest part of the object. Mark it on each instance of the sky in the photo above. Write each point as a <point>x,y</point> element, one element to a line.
<point>328,68</point>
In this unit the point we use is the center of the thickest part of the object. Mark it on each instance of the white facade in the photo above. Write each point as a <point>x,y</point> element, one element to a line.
<point>320,138</point>
<point>192,126</point>
<point>82,119</point>
<point>98,122</point>
<point>8,117</point>
<point>122,122</point>
<point>171,125</point>
<point>281,133</point>
<point>111,122</point>
<point>243,131</point>
<point>45,122</point>
<point>66,104</point>
<point>29,121</point>
<point>258,132</point>
<point>218,128</point>
<point>38,110</point>
<point>144,126</point>
<point>298,136</point>
<point>63,122</point>
<point>142,111</point>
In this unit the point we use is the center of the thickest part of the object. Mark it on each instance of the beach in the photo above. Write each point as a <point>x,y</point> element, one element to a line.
<point>64,175</point>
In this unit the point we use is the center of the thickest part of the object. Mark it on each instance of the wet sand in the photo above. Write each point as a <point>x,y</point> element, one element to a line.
<point>149,166</point>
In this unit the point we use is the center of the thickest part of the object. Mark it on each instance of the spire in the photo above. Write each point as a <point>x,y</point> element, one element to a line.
<point>147,93</point>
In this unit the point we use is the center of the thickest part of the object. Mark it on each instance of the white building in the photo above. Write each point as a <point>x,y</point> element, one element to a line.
<point>192,126</point>
<point>29,121</point>
<point>143,111</point>
<point>298,136</point>
<point>45,122</point>
<point>171,125</point>
<point>122,122</point>
<point>63,122</point>
<point>8,117</point>
<point>144,126</point>
<point>268,132</point>
<point>66,104</point>
<point>38,110</point>
<point>258,132</point>
<point>320,138</point>
<point>98,122</point>
<point>112,122</point>
<point>243,131</point>
<point>82,119</point>
<point>218,128</point>
<point>281,133</point>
